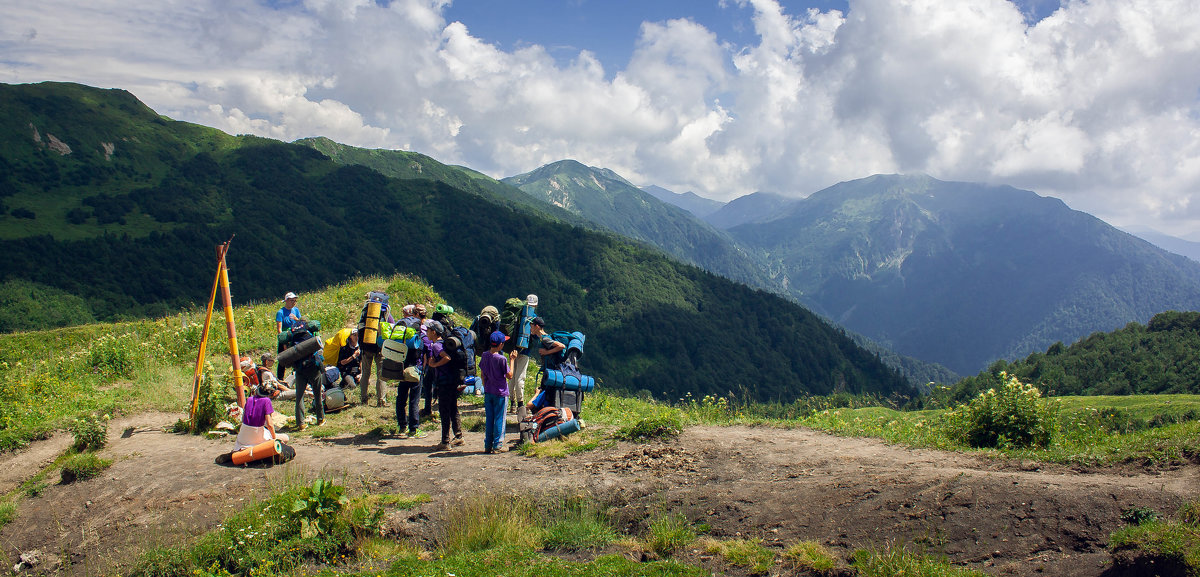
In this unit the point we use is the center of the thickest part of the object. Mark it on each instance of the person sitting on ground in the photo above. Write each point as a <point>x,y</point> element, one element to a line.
<point>256,418</point>
<point>348,358</point>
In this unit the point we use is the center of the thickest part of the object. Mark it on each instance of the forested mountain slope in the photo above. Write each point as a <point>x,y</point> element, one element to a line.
<point>139,241</point>
<point>963,274</point>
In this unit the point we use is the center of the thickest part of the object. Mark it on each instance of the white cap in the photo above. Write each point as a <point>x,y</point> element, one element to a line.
<point>290,295</point>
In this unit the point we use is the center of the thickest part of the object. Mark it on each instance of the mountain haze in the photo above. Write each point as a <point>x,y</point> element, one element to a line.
<point>749,208</point>
<point>699,206</point>
<point>122,209</point>
<point>963,274</point>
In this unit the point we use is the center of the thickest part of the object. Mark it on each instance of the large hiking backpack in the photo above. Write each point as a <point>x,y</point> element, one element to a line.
<point>572,349</point>
<point>510,316</point>
<point>483,327</point>
<point>374,311</point>
<point>460,346</point>
<point>303,346</point>
<point>515,321</point>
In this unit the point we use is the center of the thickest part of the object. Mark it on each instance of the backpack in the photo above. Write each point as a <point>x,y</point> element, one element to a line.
<point>572,349</point>
<point>483,327</point>
<point>460,345</point>
<point>301,333</point>
<point>374,311</point>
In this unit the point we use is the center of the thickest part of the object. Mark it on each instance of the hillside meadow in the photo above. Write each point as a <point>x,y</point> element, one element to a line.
<point>65,379</point>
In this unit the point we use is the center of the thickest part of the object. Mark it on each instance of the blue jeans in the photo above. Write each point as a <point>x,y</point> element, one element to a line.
<point>494,407</point>
<point>413,393</point>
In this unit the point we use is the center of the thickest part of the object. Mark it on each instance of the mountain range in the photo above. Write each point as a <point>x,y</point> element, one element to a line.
<point>111,211</point>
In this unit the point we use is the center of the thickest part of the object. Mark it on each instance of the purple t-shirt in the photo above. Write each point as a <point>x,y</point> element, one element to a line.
<point>494,366</point>
<point>256,411</point>
<point>435,353</point>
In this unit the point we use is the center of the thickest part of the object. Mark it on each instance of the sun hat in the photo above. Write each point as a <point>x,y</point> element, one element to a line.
<point>498,337</point>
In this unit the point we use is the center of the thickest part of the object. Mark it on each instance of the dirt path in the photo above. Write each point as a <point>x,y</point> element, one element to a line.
<point>781,485</point>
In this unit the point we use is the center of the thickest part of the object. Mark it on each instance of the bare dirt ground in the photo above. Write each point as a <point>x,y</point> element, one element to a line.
<point>1002,517</point>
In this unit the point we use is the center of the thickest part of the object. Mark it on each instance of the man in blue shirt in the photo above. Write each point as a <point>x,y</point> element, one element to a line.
<point>285,317</point>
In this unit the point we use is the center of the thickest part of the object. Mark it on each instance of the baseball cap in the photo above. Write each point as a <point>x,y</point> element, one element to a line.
<point>539,321</point>
<point>290,295</point>
<point>498,337</point>
<point>436,326</point>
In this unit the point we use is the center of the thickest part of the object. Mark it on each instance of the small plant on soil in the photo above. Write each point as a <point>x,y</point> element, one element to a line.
<point>668,534</point>
<point>91,432</point>
<point>1013,415</point>
<point>83,466</point>
<point>1139,515</point>
<point>316,507</point>
<point>746,553</point>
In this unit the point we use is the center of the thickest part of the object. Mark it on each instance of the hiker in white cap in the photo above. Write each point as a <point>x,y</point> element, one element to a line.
<point>285,317</point>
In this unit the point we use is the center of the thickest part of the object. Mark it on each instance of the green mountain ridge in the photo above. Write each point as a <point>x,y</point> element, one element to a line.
<point>607,199</point>
<point>964,274</point>
<point>301,220</point>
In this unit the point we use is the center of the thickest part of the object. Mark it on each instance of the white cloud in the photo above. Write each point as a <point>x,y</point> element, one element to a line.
<point>1096,103</point>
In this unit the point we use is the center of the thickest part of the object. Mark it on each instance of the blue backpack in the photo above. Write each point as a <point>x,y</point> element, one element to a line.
<point>460,345</point>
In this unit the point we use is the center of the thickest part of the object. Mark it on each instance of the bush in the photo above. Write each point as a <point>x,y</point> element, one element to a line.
<point>654,428</point>
<point>91,432</point>
<point>83,466</point>
<point>1012,416</point>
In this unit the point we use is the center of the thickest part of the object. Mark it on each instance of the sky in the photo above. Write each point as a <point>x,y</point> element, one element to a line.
<point>1095,102</point>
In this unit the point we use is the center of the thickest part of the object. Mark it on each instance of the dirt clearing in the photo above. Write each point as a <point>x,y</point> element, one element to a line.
<point>783,486</point>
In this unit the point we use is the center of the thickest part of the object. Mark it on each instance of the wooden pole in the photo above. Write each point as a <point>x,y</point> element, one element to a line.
<point>204,334</point>
<point>227,300</point>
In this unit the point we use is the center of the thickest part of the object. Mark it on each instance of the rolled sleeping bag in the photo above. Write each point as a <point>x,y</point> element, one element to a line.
<point>264,450</point>
<point>334,344</point>
<point>556,379</point>
<point>524,325</point>
<point>299,352</point>
<point>371,324</point>
<point>560,430</point>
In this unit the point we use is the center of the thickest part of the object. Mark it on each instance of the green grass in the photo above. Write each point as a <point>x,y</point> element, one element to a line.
<point>810,556</point>
<point>669,533</point>
<point>894,560</point>
<point>8,512</point>
<point>1174,542</point>
<point>746,553</point>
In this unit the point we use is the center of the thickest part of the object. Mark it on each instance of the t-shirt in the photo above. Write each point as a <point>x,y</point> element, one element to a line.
<point>435,353</point>
<point>287,316</point>
<point>494,366</point>
<point>256,411</point>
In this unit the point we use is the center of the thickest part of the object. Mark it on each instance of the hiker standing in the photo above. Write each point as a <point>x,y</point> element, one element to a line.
<point>447,381</point>
<point>408,389</point>
<point>309,372</point>
<point>548,348</point>
<point>370,343</point>
<point>516,385</point>
<point>497,369</point>
<point>285,318</point>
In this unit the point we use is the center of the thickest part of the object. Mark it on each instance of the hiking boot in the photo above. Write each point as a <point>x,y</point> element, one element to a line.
<point>383,403</point>
<point>457,442</point>
<point>320,422</point>
<point>500,449</point>
<point>301,426</point>
<point>488,451</point>
<point>441,447</point>
<point>417,434</point>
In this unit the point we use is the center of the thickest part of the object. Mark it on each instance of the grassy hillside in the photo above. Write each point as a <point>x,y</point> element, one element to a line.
<point>303,221</point>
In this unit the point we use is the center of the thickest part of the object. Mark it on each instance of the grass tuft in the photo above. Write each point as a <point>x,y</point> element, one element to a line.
<point>746,553</point>
<point>83,466</point>
<point>811,556</point>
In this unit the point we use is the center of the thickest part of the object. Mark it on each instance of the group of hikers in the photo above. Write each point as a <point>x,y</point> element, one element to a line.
<point>427,355</point>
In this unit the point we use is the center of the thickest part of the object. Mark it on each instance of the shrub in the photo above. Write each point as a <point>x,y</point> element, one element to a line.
<point>91,432</point>
<point>210,408</point>
<point>653,428</point>
<point>83,466</point>
<point>112,356</point>
<point>1013,416</point>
